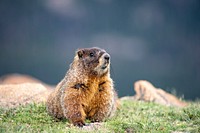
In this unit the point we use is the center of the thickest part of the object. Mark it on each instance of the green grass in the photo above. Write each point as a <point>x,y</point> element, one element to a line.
<point>133,116</point>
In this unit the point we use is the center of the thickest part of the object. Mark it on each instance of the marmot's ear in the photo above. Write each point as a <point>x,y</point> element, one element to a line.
<point>80,53</point>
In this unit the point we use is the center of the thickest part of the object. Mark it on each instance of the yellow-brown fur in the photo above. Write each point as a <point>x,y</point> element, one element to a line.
<point>86,91</point>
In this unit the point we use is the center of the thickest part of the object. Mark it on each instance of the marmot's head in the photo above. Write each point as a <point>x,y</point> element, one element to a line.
<point>94,60</point>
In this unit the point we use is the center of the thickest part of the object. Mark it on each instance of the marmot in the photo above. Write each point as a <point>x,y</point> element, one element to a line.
<point>87,91</point>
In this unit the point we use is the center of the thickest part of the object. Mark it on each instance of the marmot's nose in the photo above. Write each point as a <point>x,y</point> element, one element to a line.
<point>107,57</point>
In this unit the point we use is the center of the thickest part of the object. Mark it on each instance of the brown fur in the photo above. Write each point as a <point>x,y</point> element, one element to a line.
<point>86,91</point>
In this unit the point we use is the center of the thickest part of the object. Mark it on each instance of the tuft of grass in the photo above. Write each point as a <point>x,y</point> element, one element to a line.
<point>133,116</point>
<point>149,117</point>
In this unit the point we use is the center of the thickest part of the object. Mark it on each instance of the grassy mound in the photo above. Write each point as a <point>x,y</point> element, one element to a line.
<point>133,116</point>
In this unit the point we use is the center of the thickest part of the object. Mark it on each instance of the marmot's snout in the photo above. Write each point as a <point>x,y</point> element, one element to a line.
<point>106,60</point>
<point>107,57</point>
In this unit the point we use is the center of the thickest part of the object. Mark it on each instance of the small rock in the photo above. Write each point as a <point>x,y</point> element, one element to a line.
<point>147,92</point>
<point>16,78</point>
<point>92,126</point>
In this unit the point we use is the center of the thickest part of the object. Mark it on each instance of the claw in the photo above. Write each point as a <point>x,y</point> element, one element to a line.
<point>79,124</point>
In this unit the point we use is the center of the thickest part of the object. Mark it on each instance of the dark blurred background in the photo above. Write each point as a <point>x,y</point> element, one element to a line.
<point>155,40</point>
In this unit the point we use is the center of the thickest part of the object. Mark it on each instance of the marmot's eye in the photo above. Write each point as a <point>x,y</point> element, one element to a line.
<point>91,54</point>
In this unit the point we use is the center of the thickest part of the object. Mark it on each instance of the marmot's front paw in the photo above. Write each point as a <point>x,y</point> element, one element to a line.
<point>79,123</point>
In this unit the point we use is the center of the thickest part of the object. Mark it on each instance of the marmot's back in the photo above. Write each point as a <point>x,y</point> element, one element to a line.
<point>86,91</point>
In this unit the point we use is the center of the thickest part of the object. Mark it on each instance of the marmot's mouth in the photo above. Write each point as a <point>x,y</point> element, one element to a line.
<point>104,67</point>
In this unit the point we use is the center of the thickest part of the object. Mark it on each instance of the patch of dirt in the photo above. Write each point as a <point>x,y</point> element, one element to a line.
<point>92,126</point>
<point>89,127</point>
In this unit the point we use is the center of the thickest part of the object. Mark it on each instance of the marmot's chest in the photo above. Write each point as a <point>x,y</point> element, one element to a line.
<point>91,92</point>
<point>90,97</point>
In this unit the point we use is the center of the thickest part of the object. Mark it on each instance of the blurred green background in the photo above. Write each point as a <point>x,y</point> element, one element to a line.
<point>155,40</point>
